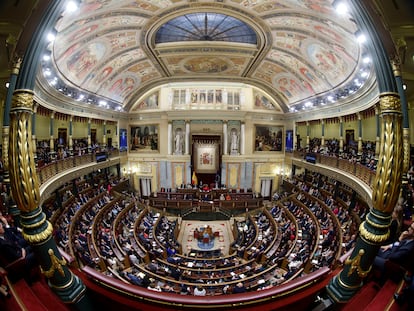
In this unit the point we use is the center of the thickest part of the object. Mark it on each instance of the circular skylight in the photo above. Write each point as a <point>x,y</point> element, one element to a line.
<point>206,27</point>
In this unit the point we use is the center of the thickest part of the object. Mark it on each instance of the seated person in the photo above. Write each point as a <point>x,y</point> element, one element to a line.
<point>400,252</point>
<point>13,246</point>
<point>239,288</point>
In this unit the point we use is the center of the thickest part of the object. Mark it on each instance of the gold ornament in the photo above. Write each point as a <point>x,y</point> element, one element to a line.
<point>56,264</point>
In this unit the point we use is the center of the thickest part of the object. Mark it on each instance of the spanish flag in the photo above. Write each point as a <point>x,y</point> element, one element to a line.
<point>194,179</point>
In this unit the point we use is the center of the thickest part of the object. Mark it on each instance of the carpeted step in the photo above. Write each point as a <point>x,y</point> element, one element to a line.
<point>26,297</point>
<point>362,298</point>
<point>384,298</point>
<point>49,298</point>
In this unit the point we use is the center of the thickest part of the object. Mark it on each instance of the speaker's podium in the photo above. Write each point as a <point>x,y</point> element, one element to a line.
<point>205,206</point>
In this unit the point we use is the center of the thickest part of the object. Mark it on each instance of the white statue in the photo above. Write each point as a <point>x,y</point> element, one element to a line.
<point>234,142</point>
<point>178,141</point>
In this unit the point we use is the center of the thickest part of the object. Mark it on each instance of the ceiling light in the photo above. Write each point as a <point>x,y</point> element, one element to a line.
<point>361,38</point>
<point>71,6</point>
<point>366,60</point>
<point>340,7</point>
<point>7,85</point>
<point>50,37</point>
<point>404,86</point>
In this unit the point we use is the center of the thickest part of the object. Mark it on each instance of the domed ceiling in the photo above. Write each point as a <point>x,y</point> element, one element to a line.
<point>300,53</point>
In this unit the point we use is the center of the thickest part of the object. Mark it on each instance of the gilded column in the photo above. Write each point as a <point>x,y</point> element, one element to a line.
<point>104,134</point>
<point>374,231</point>
<point>341,135</point>
<point>71,135</point>
<point>37,230</point>
<point>323,133</point>
<point>52,139</point>
<point>359,134</point>
<point>35,106</point>
<point>307,134</point>
<point>377,139</point>
<point>89,136</point>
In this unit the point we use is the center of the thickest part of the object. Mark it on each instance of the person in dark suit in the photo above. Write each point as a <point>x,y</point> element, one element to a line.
<point>13,246</point>
<point>400,252</point>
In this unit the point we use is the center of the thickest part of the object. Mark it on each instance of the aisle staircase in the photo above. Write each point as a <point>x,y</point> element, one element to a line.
<point>373,297</point>
<point>38,297</point>
<point>34,297</point>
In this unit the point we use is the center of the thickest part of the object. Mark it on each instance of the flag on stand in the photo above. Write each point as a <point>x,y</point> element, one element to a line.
<point>194,179</point>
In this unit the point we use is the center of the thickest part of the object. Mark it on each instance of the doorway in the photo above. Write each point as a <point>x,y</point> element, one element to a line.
<point>266,185</point>
<point>350,139</point>
<point>62,136</point>
<point>93,136</point>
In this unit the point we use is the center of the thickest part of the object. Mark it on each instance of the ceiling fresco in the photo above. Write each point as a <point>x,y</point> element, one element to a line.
<point>303,48</point>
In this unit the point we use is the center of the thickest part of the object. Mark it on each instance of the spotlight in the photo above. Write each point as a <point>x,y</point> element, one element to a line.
<point>340,7</point>
<point>71,6</point>
<point>361,38</point>
<point>50,37</point>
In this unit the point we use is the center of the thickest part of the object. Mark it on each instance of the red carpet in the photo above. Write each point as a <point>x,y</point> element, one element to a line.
<point>48,297</point>
<point>362,298</point>
<point>37,297</point>
<point>27,297</point>
<point>383,298</point>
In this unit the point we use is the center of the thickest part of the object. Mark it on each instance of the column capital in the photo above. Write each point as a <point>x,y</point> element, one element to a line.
<point>377,109</point>
<point>16,66</point>
<point>396,66</point>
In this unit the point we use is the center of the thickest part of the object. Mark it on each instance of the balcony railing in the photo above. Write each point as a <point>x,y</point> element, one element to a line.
<point>360,171</point>
<point>47,171</point>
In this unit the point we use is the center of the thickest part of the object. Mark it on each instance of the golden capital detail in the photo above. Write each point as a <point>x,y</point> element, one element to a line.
<point>372,237</point>
<point>390,102</point>
<point>39,237</point>
<point>22,99</point>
